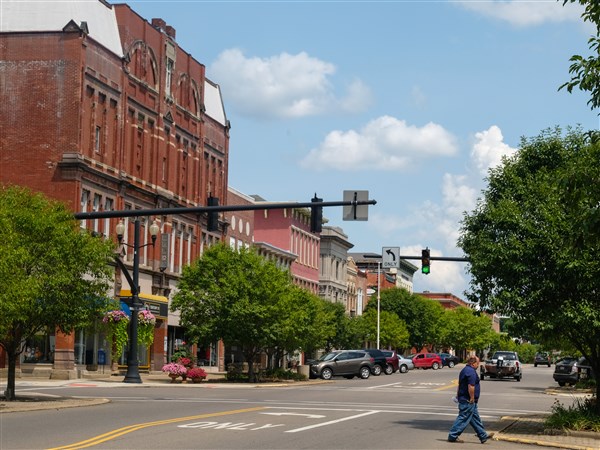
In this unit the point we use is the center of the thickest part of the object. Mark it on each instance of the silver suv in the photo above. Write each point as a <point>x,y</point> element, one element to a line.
<point>346,363</point>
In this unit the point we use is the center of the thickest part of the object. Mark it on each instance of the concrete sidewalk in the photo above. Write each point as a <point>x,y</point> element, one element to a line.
<point>522,429</point>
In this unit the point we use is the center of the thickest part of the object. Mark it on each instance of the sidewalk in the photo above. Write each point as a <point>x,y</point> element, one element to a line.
<point>524,430</point>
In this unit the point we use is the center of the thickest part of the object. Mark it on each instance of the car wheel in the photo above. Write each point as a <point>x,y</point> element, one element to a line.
<point>534,364</point>
<point>326,373</point>
<point>451,364</point>
<point>518,378</point>
<point>365,372</point>
<point>482,376</point>
<point>561,383</point>
<point>377,370</point>
<point>403,368</point>
<point>548,364</point>
<point>435,366</point>
<point>389,369</point>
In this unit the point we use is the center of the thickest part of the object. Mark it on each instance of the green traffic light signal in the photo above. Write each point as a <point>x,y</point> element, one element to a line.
<point>425,262</point>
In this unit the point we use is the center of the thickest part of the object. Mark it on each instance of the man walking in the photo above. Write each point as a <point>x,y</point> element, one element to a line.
<point>468,395</point>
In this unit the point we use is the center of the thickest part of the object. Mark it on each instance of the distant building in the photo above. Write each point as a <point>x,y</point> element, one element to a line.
<point>288,230</point>
<point>333,270</point>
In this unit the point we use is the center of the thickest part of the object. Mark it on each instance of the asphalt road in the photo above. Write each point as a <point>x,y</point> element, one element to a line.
<point>408,411</point>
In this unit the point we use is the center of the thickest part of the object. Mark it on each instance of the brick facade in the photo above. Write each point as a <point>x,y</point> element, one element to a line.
<point>103,129</point>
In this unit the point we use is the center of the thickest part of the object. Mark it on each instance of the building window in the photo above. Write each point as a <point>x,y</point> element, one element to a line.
<point>85,198</point>
<point>97,139</point>
<point>108,206</point>
<point>169,76</point>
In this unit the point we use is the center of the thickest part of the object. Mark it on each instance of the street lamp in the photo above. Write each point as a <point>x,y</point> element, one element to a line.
<point>133,373</point>
<point>378,293</point>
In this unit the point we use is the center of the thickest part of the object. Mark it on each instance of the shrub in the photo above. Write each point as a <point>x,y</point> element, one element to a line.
<point>580,416</point>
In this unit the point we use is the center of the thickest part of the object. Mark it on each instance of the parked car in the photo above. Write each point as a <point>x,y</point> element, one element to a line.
<point>427,361</point>
<point>391,358</point>
<point>503,364</point>
<point>346,363</point>
<point>569,370</point>
<point>449,360</point>
<point>405,363</point>
<point>542,358</point>
<point>380,361</point>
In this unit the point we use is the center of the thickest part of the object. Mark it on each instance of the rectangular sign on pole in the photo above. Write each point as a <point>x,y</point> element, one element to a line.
<point>390,257</point>
<point>356,212</point>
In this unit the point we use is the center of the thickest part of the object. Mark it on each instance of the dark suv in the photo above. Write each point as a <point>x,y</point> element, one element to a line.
<point>346,363</point>
<point>380,360</point>
<point>393,365</point>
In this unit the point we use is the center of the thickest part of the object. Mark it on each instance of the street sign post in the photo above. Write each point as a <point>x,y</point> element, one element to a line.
<point>390,257</point>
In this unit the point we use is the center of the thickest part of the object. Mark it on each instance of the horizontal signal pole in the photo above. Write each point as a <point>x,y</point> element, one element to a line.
<point>203,209</point>
<point>438,258</point>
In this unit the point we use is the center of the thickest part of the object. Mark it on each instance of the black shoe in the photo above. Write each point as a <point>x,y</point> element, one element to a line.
<point>488,437</point>
<point>458,441</point>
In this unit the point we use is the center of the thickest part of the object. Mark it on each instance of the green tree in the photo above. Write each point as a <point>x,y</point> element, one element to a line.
<point>52,273</point>
<point>422,316</point>
<point>585,72</point>
<point>233,295</point>
<point>533,240</point>
<point>465,330</point>
<point>393,332</point>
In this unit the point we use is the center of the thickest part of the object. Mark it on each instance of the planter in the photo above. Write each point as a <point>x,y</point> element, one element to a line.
<point>173,377</point>
<point>197,379</point>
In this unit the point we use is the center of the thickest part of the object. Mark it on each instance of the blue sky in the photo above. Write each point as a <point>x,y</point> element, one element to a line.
<point>410,100</point>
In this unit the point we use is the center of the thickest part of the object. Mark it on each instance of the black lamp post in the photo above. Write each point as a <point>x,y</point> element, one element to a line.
<point>133,373</point>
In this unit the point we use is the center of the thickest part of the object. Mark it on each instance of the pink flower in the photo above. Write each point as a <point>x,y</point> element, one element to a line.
<point>174,369</point>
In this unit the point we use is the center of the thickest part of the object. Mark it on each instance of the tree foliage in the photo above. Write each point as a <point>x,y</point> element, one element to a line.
<point>585,72</point>
<point>463,329</point>
<point>54,276</point>
<point>422,316</point>
<point>533,240</point>
<point>393,332</point>
<point>247,301</point>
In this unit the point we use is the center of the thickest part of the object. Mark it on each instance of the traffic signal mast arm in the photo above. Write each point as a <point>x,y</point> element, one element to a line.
<point>205,209</point>
<point>438,258</point>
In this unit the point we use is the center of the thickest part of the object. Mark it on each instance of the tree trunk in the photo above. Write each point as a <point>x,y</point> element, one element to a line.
<point>10,393</point>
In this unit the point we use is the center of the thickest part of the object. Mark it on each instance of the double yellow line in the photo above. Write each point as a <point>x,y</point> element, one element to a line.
<point>131,428</point>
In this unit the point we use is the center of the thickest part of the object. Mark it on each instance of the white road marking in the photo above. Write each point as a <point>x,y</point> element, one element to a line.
<point>331,422</point>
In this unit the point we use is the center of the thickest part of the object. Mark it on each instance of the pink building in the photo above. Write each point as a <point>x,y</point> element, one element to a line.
<point>289,230</point>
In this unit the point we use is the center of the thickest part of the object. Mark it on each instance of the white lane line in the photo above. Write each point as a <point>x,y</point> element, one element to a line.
<point>332,422</point>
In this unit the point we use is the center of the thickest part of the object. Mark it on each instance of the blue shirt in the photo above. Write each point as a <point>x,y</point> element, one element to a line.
<point>468,376</point>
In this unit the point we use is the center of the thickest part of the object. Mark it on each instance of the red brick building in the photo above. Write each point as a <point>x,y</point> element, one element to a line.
<point>103,110</point>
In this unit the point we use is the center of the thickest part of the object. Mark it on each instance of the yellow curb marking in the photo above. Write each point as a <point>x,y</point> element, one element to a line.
<point>131,428</point>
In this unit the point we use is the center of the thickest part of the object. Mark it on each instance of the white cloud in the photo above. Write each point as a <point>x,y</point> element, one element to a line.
<point>526,13</point>
<point>489,149</point>
<point>283,86</point>
<point>385,143</point>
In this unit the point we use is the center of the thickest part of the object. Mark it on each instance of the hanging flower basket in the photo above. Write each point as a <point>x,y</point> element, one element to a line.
<point>116,323</point>
<point>146,323</point>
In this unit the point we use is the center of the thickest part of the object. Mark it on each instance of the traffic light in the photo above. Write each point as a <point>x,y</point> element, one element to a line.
<point>425,262</point>
<point>316,215</point>
<point>212,223</point>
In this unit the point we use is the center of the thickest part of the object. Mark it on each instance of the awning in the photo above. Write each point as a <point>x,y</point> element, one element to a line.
<point>156,304</point>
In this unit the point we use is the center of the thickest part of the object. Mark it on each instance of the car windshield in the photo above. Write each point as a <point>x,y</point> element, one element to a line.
<point>504,356</point>
<point>328,356</point>
<point>388,354</point>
